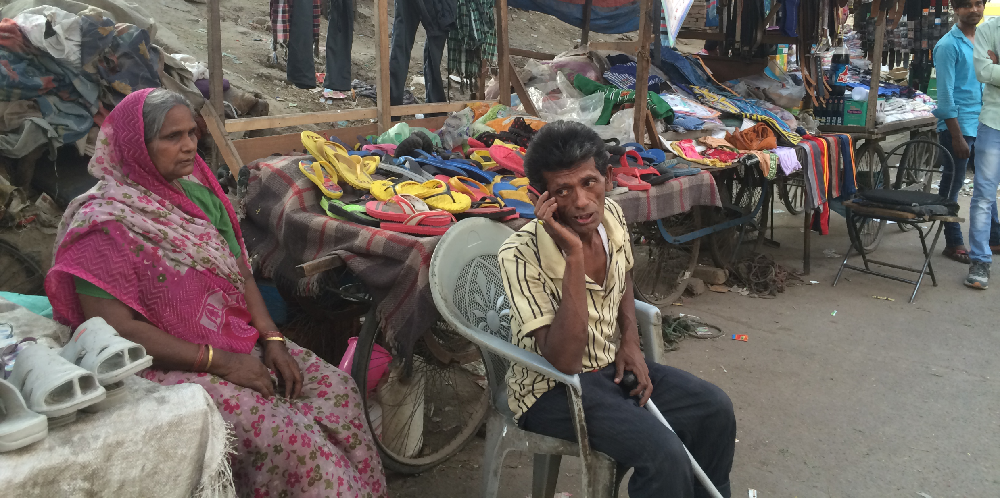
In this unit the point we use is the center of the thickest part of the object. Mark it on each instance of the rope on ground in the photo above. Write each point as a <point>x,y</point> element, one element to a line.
<point>761,275</point>
<point>677,328</point>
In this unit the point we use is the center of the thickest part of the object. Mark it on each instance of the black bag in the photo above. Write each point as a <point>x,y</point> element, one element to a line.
<point>918,203</point>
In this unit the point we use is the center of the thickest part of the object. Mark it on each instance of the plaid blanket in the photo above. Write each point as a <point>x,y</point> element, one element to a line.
<point>669,198</point>
<point>285,227</point>
<point>281,12</point>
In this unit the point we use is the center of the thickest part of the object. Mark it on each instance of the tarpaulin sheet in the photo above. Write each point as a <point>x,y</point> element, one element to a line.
<point>607,16</point>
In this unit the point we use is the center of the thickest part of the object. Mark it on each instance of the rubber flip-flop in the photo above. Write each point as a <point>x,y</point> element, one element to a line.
<point>354,213</point>
<point>351,171</point>
<point>507,159</point>
<point>959,255</point>
<point>455,167</point>
<point>319,175</point>
<point>406,209</point>
<point>320,148</point>
<point>654,156</point>
<point>384,190</point>
<point>483,158</point>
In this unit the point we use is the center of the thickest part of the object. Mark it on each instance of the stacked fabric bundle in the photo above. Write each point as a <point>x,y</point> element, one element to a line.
<point>63,72</point>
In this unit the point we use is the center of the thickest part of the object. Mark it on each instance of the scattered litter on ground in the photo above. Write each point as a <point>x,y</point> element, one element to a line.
<point>778,211</point>
<point>718,288</point>
<point>759,276</point>
<point>727,371</point>
<point>813,282</point>
<point>740,291</point>
<point>675,329</point>
<point>830,253</point>
<point>925,495</point>
<point>753,493</point>
<point>884,298</point>
<point>834,313</point>
<point>740,337</point>
<point>293,105</point>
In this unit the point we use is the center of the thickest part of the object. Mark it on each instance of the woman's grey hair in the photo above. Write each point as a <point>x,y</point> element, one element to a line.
<point>154,110</point>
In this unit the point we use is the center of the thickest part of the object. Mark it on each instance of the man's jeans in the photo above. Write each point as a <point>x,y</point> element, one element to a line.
<point>983,208</point>
<point>700,412</point>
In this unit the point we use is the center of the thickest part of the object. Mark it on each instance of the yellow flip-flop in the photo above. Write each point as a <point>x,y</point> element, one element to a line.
<point>321,177</point>
<point>385,189</point>
<point>351,171</point>
<point>321,148</point>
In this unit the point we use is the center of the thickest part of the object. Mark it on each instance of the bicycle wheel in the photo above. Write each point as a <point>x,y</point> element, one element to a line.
<point>871,173</point>
<point>423,413</point>
<point>915,170</point>
<point>661,270</point>
<point>18,273</point>
<point>792,192</point>
<point>741,190</point>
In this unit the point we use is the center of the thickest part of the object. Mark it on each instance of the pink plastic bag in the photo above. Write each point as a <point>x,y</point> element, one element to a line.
<point>377,367</point>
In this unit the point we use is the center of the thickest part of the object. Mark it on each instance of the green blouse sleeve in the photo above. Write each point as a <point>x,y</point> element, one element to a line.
<point>215,210</point>
<point>88,289</point>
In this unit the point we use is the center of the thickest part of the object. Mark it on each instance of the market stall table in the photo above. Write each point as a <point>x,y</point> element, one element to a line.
<point>160,441</point>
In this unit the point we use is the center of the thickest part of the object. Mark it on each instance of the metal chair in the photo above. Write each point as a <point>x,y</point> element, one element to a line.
<point>468,291</point>
<point>874,204</point>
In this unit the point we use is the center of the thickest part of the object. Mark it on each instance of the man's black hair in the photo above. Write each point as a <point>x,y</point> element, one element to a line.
<point>711,45</point>
<point>961,4</point>
<point>562,145</point>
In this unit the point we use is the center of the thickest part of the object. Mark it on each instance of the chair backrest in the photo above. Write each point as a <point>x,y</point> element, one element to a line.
<point>468,291</point>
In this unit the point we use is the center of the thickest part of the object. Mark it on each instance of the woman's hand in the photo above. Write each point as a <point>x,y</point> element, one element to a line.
<point>244,370</point>
<point>276,358</point>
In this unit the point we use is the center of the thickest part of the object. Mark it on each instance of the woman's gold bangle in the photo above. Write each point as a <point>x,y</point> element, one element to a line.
<point>210,351</point>
<point>282,339</point>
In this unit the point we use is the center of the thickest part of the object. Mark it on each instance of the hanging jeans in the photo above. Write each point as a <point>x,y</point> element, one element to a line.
<point>339,40</point>
<point>404,32</point>
<point>301,69</point>
<point>982,209</point>
<point>951,185</point>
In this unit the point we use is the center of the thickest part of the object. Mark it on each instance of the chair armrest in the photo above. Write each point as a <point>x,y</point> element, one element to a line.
<point>517,355</point>
<point>650,321</point>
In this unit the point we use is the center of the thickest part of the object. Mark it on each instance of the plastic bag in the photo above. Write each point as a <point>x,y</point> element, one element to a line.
<point>584,110</point>
<point>620,126</point>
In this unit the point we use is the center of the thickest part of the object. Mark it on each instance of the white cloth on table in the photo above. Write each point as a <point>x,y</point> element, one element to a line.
<point>160,441</point>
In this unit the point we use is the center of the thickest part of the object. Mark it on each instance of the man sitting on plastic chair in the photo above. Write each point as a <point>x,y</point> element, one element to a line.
<point>551,271</point>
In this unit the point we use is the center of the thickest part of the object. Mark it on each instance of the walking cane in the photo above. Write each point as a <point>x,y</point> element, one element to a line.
<point>628,383</point>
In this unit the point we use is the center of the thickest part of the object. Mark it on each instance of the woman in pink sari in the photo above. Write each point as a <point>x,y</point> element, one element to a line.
<point>155,249</point>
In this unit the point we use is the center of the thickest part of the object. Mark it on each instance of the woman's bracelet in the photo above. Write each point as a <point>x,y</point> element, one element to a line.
<point>210,352</point>
<point>272,335</point>
<point>201,356</point>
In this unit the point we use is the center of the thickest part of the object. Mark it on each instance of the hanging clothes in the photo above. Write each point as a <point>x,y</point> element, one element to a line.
<point>472,40</point>
<point>281,13</point>
<point>788,158</point>
<point>614,96</point>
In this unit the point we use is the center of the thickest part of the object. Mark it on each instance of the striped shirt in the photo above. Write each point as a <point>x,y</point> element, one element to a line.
<point>532,268</point>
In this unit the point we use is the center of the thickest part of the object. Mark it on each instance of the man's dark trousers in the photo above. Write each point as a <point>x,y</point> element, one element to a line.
<point>617,426</point>
<point>339,40</point>
<point>408,16</point>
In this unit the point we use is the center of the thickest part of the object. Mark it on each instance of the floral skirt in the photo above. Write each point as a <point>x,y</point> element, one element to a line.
<point>316,445</point>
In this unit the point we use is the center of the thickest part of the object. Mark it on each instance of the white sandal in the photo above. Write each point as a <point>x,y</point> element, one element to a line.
<point>52,386</point>
<point>97,347</point>
<point>19,426</point>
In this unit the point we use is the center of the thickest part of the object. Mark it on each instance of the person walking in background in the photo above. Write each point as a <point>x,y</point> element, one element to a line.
<point>297,21</point>
<point>960,99</point>
<point>438,18</point>
<point>984,194</point>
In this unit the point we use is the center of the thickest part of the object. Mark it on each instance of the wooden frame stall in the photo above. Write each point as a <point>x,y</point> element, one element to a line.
<point>236,153</point>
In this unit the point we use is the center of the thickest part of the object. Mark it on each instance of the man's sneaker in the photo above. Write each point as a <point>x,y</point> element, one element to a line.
<point>979,275</point>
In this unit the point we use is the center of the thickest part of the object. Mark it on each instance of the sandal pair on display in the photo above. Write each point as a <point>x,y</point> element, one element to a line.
<point>47,387</point>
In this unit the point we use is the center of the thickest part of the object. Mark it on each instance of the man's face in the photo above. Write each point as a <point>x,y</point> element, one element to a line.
<point>579,194</point>
<point>973,13</point>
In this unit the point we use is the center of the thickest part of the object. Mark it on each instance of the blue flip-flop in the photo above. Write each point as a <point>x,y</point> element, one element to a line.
<point>454,168</point>
<point>654,156</point>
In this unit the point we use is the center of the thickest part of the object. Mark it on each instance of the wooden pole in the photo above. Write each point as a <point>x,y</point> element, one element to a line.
<point>588,5</point>
<point>876,59</point>
<point>503,52</point>
<point>642,71</point>
<point>382,101</point>
<point>215,59</point>
<point>522,94</point>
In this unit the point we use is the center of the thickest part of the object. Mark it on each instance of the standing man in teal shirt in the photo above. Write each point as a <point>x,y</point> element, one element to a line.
<point>960,99</point>
<point>984,193</point>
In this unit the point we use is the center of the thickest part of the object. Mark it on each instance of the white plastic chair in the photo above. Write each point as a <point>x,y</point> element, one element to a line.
<point>468,291</point>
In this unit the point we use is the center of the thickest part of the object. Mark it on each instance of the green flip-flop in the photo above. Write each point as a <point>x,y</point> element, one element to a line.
<point>355,213</point>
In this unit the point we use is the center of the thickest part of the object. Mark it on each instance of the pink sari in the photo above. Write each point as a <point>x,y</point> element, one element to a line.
<point>145,242</point>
